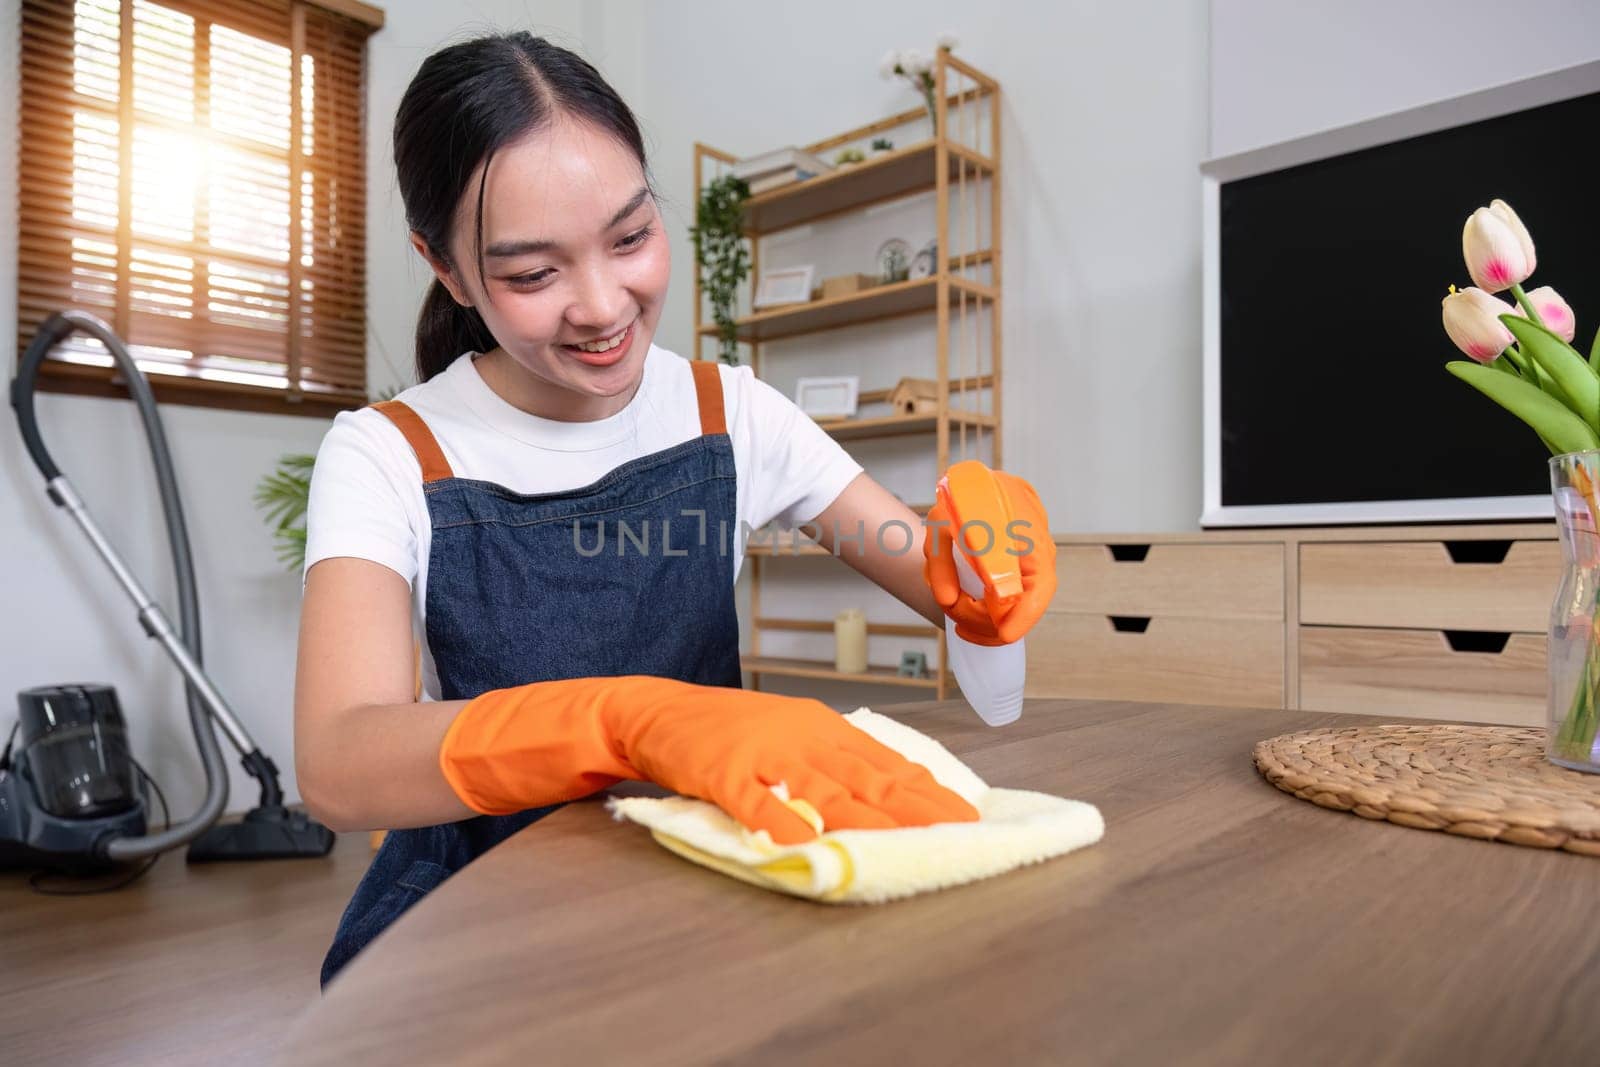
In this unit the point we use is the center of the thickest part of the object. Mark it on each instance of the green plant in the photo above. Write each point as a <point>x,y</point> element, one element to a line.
<point>849,155</point>
<point>720,253</point>
<point>882,144</point>
<point>283,496</point>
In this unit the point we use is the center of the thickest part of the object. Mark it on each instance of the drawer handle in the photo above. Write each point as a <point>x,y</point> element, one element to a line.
<point>1490,641</point>
<point>1477,551</point>
<point>1129,553</point>
<point>1130,624</point>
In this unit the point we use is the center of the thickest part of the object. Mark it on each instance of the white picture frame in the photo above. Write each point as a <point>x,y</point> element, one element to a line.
<point>791,285</point>
<point>828,398</point>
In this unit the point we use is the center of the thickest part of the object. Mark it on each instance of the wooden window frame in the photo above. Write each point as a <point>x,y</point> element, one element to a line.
<point>323,376</point>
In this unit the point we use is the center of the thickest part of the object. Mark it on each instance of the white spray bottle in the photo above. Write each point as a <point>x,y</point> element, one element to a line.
<point>991,676</point>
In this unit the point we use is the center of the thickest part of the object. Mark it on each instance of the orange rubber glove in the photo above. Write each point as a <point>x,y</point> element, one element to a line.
<point>546,742</point>
<point>1037,566</point>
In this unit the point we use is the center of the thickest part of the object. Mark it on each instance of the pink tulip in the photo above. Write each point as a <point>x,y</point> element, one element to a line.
<point>1553,311</point>
<point>1471,318</point>
<point>1497,248</point>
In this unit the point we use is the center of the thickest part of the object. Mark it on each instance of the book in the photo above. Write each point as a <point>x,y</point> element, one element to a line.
<point>778,179</point>
<point>782,159</point>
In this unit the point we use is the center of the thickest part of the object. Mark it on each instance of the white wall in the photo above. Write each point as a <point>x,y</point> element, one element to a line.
<point>1103,126</point>
<point>1280,71</point>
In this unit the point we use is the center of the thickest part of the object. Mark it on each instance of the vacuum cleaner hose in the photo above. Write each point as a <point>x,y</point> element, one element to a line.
<point>55,330</point>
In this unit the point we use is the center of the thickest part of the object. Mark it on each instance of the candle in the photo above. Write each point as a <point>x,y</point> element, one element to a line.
<point>850,641</point>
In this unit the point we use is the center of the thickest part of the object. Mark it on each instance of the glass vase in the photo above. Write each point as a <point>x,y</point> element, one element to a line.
<point>1574,641</point>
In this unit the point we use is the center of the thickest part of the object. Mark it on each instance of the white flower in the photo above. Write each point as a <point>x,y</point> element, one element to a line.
<point>890,60</point>
<point>946,41</point>
<point>915,62</point>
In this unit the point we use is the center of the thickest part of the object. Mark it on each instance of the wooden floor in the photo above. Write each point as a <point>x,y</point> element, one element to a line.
<point>199,964</point>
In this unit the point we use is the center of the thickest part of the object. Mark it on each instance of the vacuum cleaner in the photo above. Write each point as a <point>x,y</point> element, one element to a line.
<point>69,798</point>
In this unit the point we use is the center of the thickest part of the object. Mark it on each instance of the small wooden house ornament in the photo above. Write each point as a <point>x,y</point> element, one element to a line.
<point>915,396</point>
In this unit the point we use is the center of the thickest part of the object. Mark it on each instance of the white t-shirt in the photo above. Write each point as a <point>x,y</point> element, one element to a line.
<point>366,489</point>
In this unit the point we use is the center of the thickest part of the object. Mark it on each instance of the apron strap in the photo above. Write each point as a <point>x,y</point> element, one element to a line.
<point>419,437</point>
<point>708,393</point>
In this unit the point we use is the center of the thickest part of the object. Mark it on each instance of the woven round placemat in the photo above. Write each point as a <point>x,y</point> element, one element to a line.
<point>1489,782</point>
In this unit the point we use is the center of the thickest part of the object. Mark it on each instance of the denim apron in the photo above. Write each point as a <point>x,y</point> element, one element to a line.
<point>628,575</point>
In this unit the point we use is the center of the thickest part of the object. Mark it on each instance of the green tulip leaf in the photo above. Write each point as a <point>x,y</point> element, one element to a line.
<point>1557,427</point>
<point>1574,377</point>
<point>1594,352</point>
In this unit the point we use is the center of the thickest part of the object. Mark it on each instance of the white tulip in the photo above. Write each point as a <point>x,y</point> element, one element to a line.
<point>1472,319</point>
<point>1496,255</point>
<point>1503,212</point>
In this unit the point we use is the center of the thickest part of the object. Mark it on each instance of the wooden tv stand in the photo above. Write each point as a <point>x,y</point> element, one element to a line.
<point>1436,621</point>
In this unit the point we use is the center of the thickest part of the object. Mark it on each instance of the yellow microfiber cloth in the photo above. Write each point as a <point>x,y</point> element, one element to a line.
<point>1015,828</point>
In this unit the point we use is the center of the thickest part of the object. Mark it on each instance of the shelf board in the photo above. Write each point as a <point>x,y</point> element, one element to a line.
<point>893,174</point>
<point>820,626</point>
<point>899,425</point>
<point>816,668</point>
<point>870,305</point>
<point>803,548</point>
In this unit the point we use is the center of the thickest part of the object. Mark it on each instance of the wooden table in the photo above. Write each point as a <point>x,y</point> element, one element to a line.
<point>1219,921</point>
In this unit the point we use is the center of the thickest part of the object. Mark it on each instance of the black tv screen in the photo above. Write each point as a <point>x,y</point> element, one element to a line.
<point>1332,384</point>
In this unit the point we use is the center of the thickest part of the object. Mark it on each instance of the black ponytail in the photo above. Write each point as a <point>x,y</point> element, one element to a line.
<point>465,102</point>
<point>445,329</point>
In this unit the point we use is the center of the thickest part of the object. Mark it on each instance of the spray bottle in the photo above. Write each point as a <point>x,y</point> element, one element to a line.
<point>991,676</point>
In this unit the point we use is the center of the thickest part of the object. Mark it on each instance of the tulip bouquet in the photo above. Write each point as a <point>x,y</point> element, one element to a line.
<point>1522,359</point>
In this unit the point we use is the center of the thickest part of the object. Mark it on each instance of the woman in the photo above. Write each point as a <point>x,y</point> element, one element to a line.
<point>554,511</point>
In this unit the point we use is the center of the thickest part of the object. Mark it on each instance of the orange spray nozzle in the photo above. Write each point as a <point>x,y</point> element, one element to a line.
<point>980,517</point>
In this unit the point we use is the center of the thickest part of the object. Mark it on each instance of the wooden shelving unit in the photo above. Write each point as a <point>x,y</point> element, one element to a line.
<point>961,154</point>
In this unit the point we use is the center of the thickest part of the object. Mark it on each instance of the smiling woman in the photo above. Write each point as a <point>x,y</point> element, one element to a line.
<point>457,515</point>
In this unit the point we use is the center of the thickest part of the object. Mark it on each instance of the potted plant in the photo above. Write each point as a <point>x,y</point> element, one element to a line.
<point>721,255</point>
<point>1521,358</point>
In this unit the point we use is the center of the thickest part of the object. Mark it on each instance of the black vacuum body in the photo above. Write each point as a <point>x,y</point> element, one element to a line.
<point>71,783</point>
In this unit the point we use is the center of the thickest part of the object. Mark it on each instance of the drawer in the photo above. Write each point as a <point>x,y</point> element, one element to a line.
<point>1429,674</point>
<point>1185,661</point>
<point>1435,585</point>
<point>1237,581</point>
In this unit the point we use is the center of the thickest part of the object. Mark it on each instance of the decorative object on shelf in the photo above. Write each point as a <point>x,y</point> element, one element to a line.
<point>845,284</point>
<point>1523,362</point>
<point>720,252</point>
<point>917,68</point>
<point>850,641</point>
<point>881,145</point>
<point>828,398</point>
<point>785,166</point>
<point>913,665</point>
<point>925,264</point>
<point>791,285</point>
<point>894,261</point>
<point>915,396</point>
<point>848,156</point>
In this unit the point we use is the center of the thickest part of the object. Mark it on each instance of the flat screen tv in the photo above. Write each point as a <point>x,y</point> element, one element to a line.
<point>1326,398</point>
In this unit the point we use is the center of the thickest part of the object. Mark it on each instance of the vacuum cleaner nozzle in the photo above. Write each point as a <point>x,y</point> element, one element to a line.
<point>267,831</point>
<point>263,833</point>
